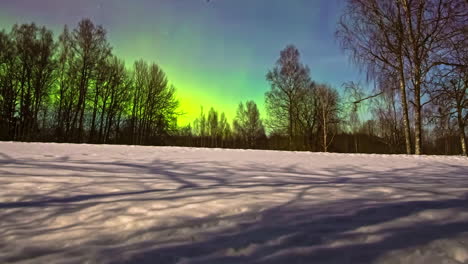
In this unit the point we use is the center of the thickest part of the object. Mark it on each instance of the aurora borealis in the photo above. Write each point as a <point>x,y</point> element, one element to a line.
<point>215,52</point>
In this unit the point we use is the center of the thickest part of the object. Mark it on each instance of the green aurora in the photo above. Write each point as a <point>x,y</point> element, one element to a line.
<point>215,53</point>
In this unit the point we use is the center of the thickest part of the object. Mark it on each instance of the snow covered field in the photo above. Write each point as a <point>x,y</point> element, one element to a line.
<point>66,203</point>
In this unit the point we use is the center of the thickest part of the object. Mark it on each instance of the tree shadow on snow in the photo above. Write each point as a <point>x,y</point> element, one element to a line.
<point>293,232</point>
<point>279,239</point>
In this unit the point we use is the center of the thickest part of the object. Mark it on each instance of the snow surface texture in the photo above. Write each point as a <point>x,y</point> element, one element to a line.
<point>66,203</point>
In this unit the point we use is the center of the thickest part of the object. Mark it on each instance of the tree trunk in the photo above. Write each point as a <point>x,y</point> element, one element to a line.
<point>356,150</point>
<point>290,129</point>
<point>92,132</point>
<point>81,126</point>
<point>324,116</point>
<point>404,106</point>
<point>401,72</point>
<point>417,119</point>
<point>461,130</point>
<point>101,125</point>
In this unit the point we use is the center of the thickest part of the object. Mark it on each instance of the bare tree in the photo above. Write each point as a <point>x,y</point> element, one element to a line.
<point>307,113</point>
<point>452,103</point>
<point>113,99</point>
<point>288,79</point>
<point>373,32</point>
<point>91,49</point>
<point>387,116</point>
<point>224,130</point>
<point>199,126</point>
<point>328,110</point>
<point>213,126</point>
<point>35,50</point>
<point>247,124</point>
<point>355,93</point>
<point>65,78</point>
<point>154,109</point>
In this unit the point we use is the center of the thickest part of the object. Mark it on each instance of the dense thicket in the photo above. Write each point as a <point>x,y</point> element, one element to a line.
<point>73,88</point>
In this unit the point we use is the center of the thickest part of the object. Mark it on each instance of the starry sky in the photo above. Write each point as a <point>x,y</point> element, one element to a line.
<point>217,52</point>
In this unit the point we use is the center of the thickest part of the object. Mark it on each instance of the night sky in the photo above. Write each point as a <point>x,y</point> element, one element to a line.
<point>216,53</point>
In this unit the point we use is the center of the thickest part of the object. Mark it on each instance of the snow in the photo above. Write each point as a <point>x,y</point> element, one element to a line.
<point>73,203</point>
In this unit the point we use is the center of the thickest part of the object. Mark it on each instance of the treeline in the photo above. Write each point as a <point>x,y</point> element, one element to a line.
<point>74,89</point>
<point>308,116</point>
<point>212,129</point>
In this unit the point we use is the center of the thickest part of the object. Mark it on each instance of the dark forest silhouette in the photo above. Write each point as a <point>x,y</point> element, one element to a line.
<point>75,89</point>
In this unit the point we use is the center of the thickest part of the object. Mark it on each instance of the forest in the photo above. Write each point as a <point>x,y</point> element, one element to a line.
<point>73,88</point>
